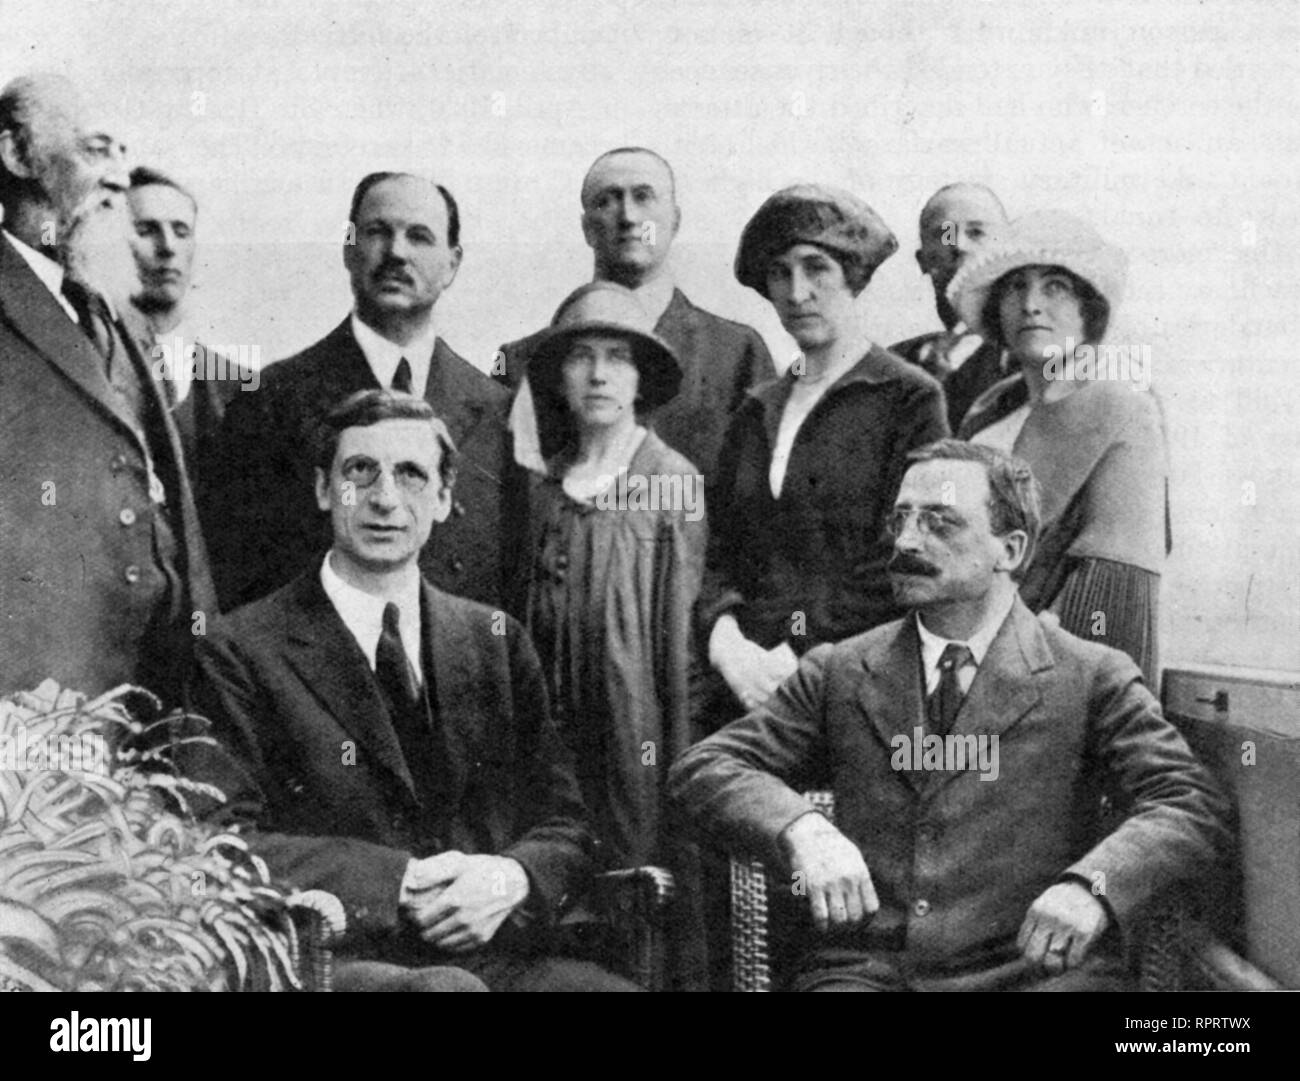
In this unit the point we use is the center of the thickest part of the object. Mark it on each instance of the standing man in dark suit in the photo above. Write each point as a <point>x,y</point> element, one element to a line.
<point>957,220</point>
<point>266,528</point>
<point>968,746</point>
<point>391,743</point>
<point>102,566</point>
<point>196,380</point>
<point>630,217</point>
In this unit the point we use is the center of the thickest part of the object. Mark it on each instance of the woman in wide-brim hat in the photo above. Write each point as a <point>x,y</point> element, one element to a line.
<point>617,536</point>
<point>812,460</point>
<point>1081,414</point>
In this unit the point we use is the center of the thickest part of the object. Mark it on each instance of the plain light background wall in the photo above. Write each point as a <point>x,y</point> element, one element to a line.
<point>1171,126</point>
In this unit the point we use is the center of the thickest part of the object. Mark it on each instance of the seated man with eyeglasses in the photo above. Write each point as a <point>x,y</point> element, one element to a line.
<point>391,743</point>
<point>968,746</point>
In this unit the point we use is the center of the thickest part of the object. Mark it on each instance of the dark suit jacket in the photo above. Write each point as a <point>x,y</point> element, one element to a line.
<point>78,583</point>
<point>810,567</point>
<point>258,491</point>
<point>310,758</point>
<point>721,360</point>
<point>198,418</point>
<point>957,860</point>
<point>980,371</point>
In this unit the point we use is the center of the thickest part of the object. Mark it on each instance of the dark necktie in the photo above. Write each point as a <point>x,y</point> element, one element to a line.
<point>405,703</point>
<point>941,709</point>
<point>402,377</point>
<point>92,315</point>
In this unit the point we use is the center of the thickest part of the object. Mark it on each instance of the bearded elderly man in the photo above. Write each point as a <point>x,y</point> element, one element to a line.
<point>102,567</point>
<point>391,743</point>
<point>988,869</point>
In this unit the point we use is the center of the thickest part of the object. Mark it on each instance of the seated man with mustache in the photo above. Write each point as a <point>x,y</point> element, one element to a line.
<point>931,878</point>
<point>102,568</point>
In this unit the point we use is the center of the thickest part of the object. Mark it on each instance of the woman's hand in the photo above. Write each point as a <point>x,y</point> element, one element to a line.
<point>751,671</point>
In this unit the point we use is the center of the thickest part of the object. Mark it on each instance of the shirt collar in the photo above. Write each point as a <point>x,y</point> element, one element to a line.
<point>181,369</point>
<point>363,615</point>
<point>932,645</point>
<point>655,295</point>
<point>45,268</point>
<point>383,356</point>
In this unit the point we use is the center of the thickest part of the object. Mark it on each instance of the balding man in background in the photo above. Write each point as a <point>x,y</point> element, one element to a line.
<point>630,218</point>
<point>956,221</point>
<point>102,566</point>
<point>404,255</point>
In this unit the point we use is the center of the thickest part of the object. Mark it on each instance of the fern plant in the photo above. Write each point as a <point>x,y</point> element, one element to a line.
<point>107,882</point>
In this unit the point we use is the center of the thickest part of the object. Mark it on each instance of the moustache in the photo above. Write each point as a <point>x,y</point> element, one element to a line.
<point>394,271</point>
<point>902,563</point>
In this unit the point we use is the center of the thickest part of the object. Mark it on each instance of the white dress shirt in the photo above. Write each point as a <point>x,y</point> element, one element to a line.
<point>180,369</point>
<point>932,647</point>
<point>45,268</point>
<point>803,399</point>
<point>383,356</point>
<point>363,614</point>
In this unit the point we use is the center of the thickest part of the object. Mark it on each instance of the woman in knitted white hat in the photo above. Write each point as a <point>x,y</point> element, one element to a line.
<point>1087,425</point>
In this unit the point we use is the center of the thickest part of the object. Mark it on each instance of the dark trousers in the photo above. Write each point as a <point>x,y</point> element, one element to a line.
<point>482,971</point>
<point>891,972</point>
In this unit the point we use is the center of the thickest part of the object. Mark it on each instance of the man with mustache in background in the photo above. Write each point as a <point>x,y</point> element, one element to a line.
<point>103,573</point>
<point>402,252</point>
<point>933,878</point>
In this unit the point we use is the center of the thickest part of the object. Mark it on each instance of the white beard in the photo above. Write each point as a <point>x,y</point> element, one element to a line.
<point>96,249</point>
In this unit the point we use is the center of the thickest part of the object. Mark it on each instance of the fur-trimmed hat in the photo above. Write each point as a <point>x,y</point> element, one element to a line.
<point>1041,238</point>
<point>831,218</point>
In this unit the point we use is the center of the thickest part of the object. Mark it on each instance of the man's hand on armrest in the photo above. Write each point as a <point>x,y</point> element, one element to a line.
<point>1061,926</point>
<point>458,901</point>
<point>831,868</point>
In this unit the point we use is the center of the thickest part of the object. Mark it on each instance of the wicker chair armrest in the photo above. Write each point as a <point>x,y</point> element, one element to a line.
<point>320,921</point>
<point>648,889</point>
<point>1179,952</point>
<point>751,962</point>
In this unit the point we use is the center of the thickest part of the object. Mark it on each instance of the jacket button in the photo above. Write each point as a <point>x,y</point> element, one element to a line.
<point>922,907</point>
<point>132,574</point>
<point>561,560</point>
<point>126,516</point>
<point>458,508</point>
<point>457,564</point>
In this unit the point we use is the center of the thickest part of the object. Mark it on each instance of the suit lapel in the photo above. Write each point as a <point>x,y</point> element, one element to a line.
<point>891,693</point>
<point>321,649</point>
<point>447,669</point>
<point>32,310</point>
<point>457,404</point>
<point>347,370</point>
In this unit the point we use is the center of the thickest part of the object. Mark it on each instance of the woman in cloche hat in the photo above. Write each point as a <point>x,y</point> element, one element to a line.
<point>617,536</point>
<point>812,460</point>
<point>1080,412</point>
